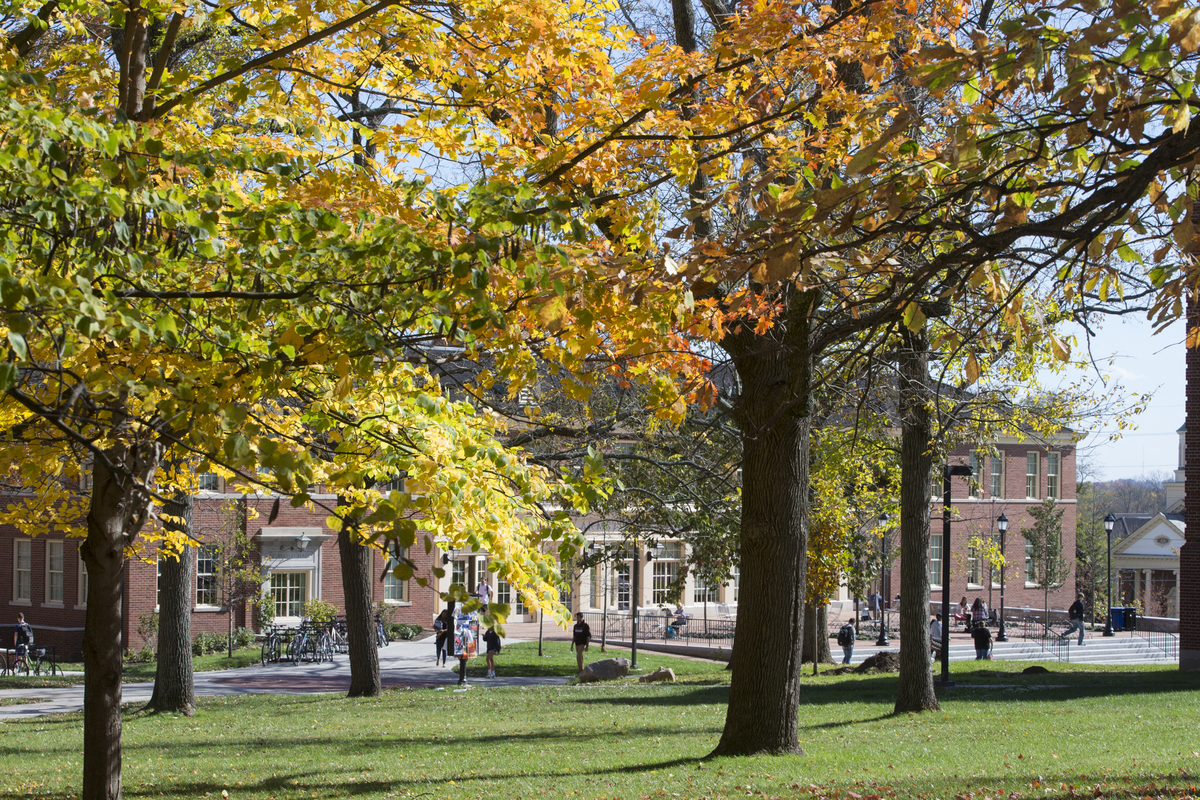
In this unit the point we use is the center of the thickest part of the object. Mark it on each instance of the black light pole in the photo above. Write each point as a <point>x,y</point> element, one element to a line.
<point>1110,522</point>
<point>1002,526</point>
<point>882,641</point>
<point>949,471</point>
<point>633,601</point>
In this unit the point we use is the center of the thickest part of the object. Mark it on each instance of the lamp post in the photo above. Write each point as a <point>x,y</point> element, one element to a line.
<point>1110,522</point>
<point>1002,526</point>
<point>882,641</point>
<point>948,472</point>
<point>633,600</point>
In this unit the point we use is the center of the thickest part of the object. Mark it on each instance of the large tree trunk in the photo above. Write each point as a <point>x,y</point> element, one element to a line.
<point>816,634</point>
<point>915,685</point>
<point>174,686</point>
<point>118,510</point>
<point>357,585</point>
<point>773,414</point>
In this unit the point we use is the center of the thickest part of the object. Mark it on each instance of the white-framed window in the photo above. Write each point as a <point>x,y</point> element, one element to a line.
<point>1053,475</point>
<point>83,584</point>
<point>935,559</point>
<point>506,595</point>
<point>621,587</point>
<point>997,475</point>
<point>394,589</point>
<point>975,481</point>
<point>665,573</point>
<point>206,576</point>
<point>54,572</point>
<point>208,482</point>
<point>703,593</point>
<point>1031,474</point>
<point>597,586</point>
<point>973,566</point>
<point>157,583</point>
<point>1030,573</point>
<point>22,570</point>
<point>737,582</point>
<point>289,590</point>
<point>458,572</point>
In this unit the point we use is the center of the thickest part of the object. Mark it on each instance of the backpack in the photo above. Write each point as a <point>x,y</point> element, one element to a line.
<point>25,634</point>
<point>845,636</point>
<point>438,625</point>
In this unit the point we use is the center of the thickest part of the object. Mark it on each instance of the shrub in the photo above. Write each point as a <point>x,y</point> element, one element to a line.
<point>264,610</point>
<point>206,643</point>
<point>147,629</point>
<point>402,631</point>
<point>143,656</point>
<point>242,637</point>
<point>319,612</point>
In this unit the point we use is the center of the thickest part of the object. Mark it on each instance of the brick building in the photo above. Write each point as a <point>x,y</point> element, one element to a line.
<point>1016,477</point>
<point>44,577</point>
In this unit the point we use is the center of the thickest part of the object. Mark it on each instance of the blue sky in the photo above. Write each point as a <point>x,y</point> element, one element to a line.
<point>1143,363</point>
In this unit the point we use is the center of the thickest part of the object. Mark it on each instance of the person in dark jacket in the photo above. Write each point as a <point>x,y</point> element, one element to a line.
<point>492,640</point>
<point>443,635</point>
<point>581,635</point>
<point>983,642</point>
<point>1075,614</point>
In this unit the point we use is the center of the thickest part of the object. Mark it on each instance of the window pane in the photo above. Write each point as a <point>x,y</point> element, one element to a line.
<point>458,572</point>
<point>54,572</point>
<point>975,481</point>
<point>935,559</point>
<point>394,589</point>
<point>1052,470</point>
<point>83,583</point>
<point>289,590</point>
<point>23,570</point>
<point>664,576</point>
<point>1031,474</point>
<point>206,587</point>
<point>997,463</point>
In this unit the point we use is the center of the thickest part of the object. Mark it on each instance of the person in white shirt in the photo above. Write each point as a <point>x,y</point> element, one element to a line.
<point>484,592</point>
<point>935,635</point>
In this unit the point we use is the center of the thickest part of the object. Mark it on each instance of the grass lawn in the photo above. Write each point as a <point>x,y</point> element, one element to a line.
<point>1111,732</point>
<point>522,660</point>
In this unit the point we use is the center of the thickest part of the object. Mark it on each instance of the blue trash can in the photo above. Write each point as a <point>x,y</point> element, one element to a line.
<point>1117,615</point>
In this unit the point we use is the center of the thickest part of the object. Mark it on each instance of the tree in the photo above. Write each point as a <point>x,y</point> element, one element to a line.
<point>1050,569</point>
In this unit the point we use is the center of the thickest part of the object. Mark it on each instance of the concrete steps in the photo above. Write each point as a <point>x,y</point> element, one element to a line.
<point>1095,650</point>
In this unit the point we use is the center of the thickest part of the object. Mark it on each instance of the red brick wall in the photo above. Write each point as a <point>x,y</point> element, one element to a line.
<point>976,517</point>
<point>1189,554</point>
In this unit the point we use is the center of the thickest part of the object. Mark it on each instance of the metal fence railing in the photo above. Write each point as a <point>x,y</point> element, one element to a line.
<point>653,626</point>
<point>1157,636</point>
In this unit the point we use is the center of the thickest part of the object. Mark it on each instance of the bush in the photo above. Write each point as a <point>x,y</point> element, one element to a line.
<point>143,656</point>
<point>206,643</point>
<point>402,631</point>
<point>319,612</point>
<point>264,610</point>
<point>147,629</point>
<point>242,637</point>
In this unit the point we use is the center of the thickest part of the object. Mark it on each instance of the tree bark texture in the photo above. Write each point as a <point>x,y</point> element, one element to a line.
<point>816,634</point>
<point>119,507</point>
<point>772,412</point>
<point>357,585</point>
<point>915,685</point>
<point>174,684</point>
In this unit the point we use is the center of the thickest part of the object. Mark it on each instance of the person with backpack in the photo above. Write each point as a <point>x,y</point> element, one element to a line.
<point>492,640</point>
<point>845,640</point>
<point>1075,613</point>
<point>581,634</point>
<point>22,641</point>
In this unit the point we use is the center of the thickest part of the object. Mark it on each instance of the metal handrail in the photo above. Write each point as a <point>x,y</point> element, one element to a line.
<point>658,627</point>
<point>1157,636</point>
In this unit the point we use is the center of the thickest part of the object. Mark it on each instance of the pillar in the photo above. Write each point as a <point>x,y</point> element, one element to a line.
<point>1189,553</point>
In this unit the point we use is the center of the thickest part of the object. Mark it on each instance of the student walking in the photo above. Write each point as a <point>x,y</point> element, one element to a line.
<point>1075,614</point>
<point>935,635</point>
<point>443,628</point>
<point>492,640</point>
<point>581,634</point>
<point>22,640</point>
<point>845,639</point>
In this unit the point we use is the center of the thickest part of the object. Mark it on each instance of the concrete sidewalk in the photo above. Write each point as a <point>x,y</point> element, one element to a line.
<point>400,664</point>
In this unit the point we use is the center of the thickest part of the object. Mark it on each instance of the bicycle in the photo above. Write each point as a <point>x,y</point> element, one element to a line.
<point>43,659</point>
<point>271,645</point>
<point>381,637</point>
<point>337,635</point>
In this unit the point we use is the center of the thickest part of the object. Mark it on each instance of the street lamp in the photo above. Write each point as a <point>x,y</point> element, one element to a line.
<point>1002,526</point>
<point>882,641</point>
<point>948,472</point>
<point>1110,522</point>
